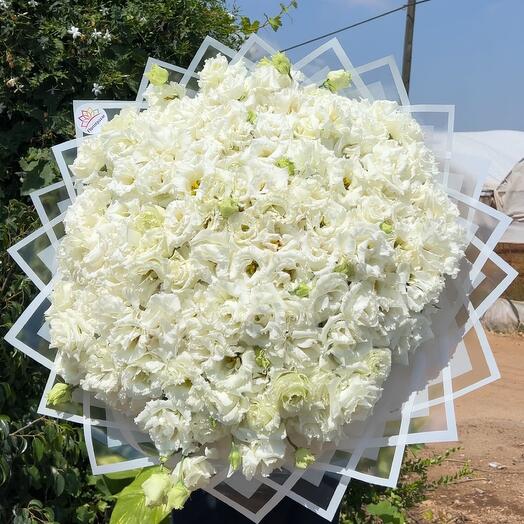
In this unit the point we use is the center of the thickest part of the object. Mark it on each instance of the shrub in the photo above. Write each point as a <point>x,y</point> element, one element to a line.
<point>370,504</point>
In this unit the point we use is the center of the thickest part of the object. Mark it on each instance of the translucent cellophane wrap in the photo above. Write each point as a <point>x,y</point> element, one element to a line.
<point>417,403</point>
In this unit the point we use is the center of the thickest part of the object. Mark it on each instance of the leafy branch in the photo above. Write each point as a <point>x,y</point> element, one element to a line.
<point>249,26</point>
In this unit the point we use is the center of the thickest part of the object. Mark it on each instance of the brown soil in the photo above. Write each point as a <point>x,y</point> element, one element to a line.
<point>491,431</point>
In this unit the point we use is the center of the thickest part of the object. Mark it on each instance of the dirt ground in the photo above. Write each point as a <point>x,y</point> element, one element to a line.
<point>491,431</point>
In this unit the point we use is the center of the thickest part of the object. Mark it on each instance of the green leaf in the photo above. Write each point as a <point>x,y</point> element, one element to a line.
<point>275,22</point>
<point>59,484</point>
<point>84,514</point>
<point>34,475</point>
<point>120,475</point>
<point>115,482</point>
<point>4,427</point>
<point>131,506</point>
<point>386,511</point>
<point>245,23</point>
<point>38,448</point>
<point>49,514</point>
<point>22,519</point>
<point>249,26</point>
<point>4,470</point>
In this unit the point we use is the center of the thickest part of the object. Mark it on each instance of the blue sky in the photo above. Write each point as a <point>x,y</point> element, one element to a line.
<point>469,53</point>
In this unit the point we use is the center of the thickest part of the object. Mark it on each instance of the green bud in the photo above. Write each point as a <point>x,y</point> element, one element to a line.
<point>302,290</point>
<point>285,163</point>
<point>345,267</point>
<point>235,458</point>
<point>177,495</point>
<point>228,207</point>
<point>337,80</point>
<point>280,62</point>
<point>387,227</point>
<point>303,458</point>
<point>60,393</point>
<point>156,487</point>
<point>251,116</point>
<point>261,358</point>
<point>157,75</point>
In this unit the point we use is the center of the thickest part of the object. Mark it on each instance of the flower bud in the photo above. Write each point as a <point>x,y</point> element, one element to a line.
<point>261,358</point>
<point>387,227</point>
<point>280,62</point>
<point>177,495</point>
<point>156,487</point>
<point>251,116</point>
<point>302,290</point>
<point>337,80</point>
<point>303,458</point>
<point>235,457</point>
<point>286,163</point>
<point>157,75</point>
<point>60,394</point>
<point>228,207</point>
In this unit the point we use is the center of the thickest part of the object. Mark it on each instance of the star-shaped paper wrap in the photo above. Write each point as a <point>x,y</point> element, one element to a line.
<point>417,403</point>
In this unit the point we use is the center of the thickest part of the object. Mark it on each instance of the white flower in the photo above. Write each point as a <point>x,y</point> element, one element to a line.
<point>264,454</point>
<point>97,89</point>
<point>195,471</point>
<point>74,32</point>
<point>107,36</point>
<point>163,94</point>
<point>96,34</point>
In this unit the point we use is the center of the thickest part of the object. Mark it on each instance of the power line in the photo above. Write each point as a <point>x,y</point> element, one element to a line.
<point>354,25</point>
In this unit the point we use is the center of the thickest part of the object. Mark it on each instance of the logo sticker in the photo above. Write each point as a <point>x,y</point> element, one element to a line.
<point>90,119</point>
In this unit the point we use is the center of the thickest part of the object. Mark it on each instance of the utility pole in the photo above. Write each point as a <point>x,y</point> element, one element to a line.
<point>408,43</point>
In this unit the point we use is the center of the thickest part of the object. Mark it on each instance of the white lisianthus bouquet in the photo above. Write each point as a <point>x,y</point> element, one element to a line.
<point>241,268</point>
<point>259,279</point>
